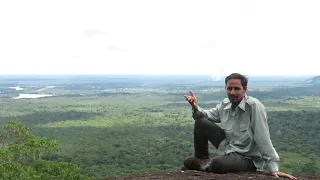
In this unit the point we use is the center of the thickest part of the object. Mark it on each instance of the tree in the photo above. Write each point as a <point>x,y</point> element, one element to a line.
<point>21,156</point>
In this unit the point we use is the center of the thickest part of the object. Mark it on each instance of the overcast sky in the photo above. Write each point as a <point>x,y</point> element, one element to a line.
<point>160,37</point>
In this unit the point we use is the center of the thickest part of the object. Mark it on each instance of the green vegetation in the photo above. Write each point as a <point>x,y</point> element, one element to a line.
<point>21,156</point>
<point>113,126</point>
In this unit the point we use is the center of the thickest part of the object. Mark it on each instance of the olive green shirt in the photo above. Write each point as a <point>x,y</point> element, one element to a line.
<point>246,129</point>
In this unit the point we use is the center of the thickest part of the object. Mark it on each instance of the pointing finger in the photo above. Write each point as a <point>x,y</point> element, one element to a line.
<point>192,94</point>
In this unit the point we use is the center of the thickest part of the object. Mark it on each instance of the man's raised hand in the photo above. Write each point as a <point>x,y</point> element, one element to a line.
<point>192,100</point>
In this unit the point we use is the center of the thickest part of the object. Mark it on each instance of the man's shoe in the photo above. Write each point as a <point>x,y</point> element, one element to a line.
<point>194,163</point>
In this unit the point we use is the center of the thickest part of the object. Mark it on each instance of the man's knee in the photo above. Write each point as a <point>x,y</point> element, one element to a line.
<point>218,165</point>
<point>206,125</point>
<point>203,123</point>
<point>230,163</point>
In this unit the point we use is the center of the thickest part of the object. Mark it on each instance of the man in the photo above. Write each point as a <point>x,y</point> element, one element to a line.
<point>242,134</point>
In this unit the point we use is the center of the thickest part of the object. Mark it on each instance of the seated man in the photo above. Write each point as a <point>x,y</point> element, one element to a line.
<point>242,134</point>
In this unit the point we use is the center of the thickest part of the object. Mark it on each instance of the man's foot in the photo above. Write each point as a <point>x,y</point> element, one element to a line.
<point>194,163</point>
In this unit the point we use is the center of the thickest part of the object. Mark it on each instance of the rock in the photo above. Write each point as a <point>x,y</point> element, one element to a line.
<point>197,175</point>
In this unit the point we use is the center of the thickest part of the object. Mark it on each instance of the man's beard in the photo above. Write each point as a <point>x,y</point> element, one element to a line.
<point>233,99</point>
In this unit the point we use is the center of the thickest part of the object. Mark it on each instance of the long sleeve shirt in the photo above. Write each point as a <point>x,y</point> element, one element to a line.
<point>246,129</point>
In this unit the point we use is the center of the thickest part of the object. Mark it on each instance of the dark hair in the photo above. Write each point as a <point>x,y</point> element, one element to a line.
<point>243,79</point>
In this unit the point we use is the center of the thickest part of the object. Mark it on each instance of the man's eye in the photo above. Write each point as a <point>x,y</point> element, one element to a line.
<point>236,88</point>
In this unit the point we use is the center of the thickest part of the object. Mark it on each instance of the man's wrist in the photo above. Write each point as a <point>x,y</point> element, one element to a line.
<point>195,109</point>
<point>273,167</point>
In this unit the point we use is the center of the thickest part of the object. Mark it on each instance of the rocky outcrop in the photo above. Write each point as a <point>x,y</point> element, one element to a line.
<point>196,175</point>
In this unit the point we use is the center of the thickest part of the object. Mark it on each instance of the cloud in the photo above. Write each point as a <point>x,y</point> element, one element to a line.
<point>93,32</point>
<point>116,49</point>
<point>209,44</point>
<point>218,74</point>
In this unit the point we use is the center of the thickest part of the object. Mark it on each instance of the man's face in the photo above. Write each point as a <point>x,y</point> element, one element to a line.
<point>235,90</point>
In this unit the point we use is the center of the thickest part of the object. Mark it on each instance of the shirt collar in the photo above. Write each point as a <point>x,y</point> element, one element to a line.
<point>242,104</point>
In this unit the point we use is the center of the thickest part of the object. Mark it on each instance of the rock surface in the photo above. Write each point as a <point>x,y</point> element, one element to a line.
<point>195,175</point>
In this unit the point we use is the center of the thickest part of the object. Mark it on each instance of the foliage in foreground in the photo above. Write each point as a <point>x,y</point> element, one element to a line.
<point>21,156</point>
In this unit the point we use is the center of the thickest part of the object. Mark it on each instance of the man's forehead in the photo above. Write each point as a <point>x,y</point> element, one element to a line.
<point>234,87</point>
<point>234,82</point>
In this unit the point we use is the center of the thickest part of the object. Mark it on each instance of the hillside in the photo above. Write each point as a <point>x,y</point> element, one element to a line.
<point>314,80</point>
<point>195,175</point>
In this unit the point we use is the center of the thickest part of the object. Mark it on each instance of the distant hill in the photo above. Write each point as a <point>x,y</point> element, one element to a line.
<point>314,80</point>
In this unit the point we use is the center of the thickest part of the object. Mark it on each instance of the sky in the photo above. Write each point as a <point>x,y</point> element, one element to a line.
<point>274,37</point>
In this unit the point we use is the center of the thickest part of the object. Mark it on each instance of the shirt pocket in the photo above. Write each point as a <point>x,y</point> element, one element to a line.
<point>244,126</point>
<point>228,130</point>
<point>245,135</point>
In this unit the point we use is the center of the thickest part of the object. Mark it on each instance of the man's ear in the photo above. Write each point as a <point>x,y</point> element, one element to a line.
<point>245,88</point>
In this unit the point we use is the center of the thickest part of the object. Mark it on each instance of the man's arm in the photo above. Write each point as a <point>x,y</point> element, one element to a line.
<point>262,137</point>
<point>211,114</point>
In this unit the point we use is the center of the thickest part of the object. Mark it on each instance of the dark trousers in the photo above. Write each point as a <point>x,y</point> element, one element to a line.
<point>205,131</point>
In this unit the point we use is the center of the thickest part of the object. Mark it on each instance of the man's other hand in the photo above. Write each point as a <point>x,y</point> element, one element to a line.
<point>281,174</point>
